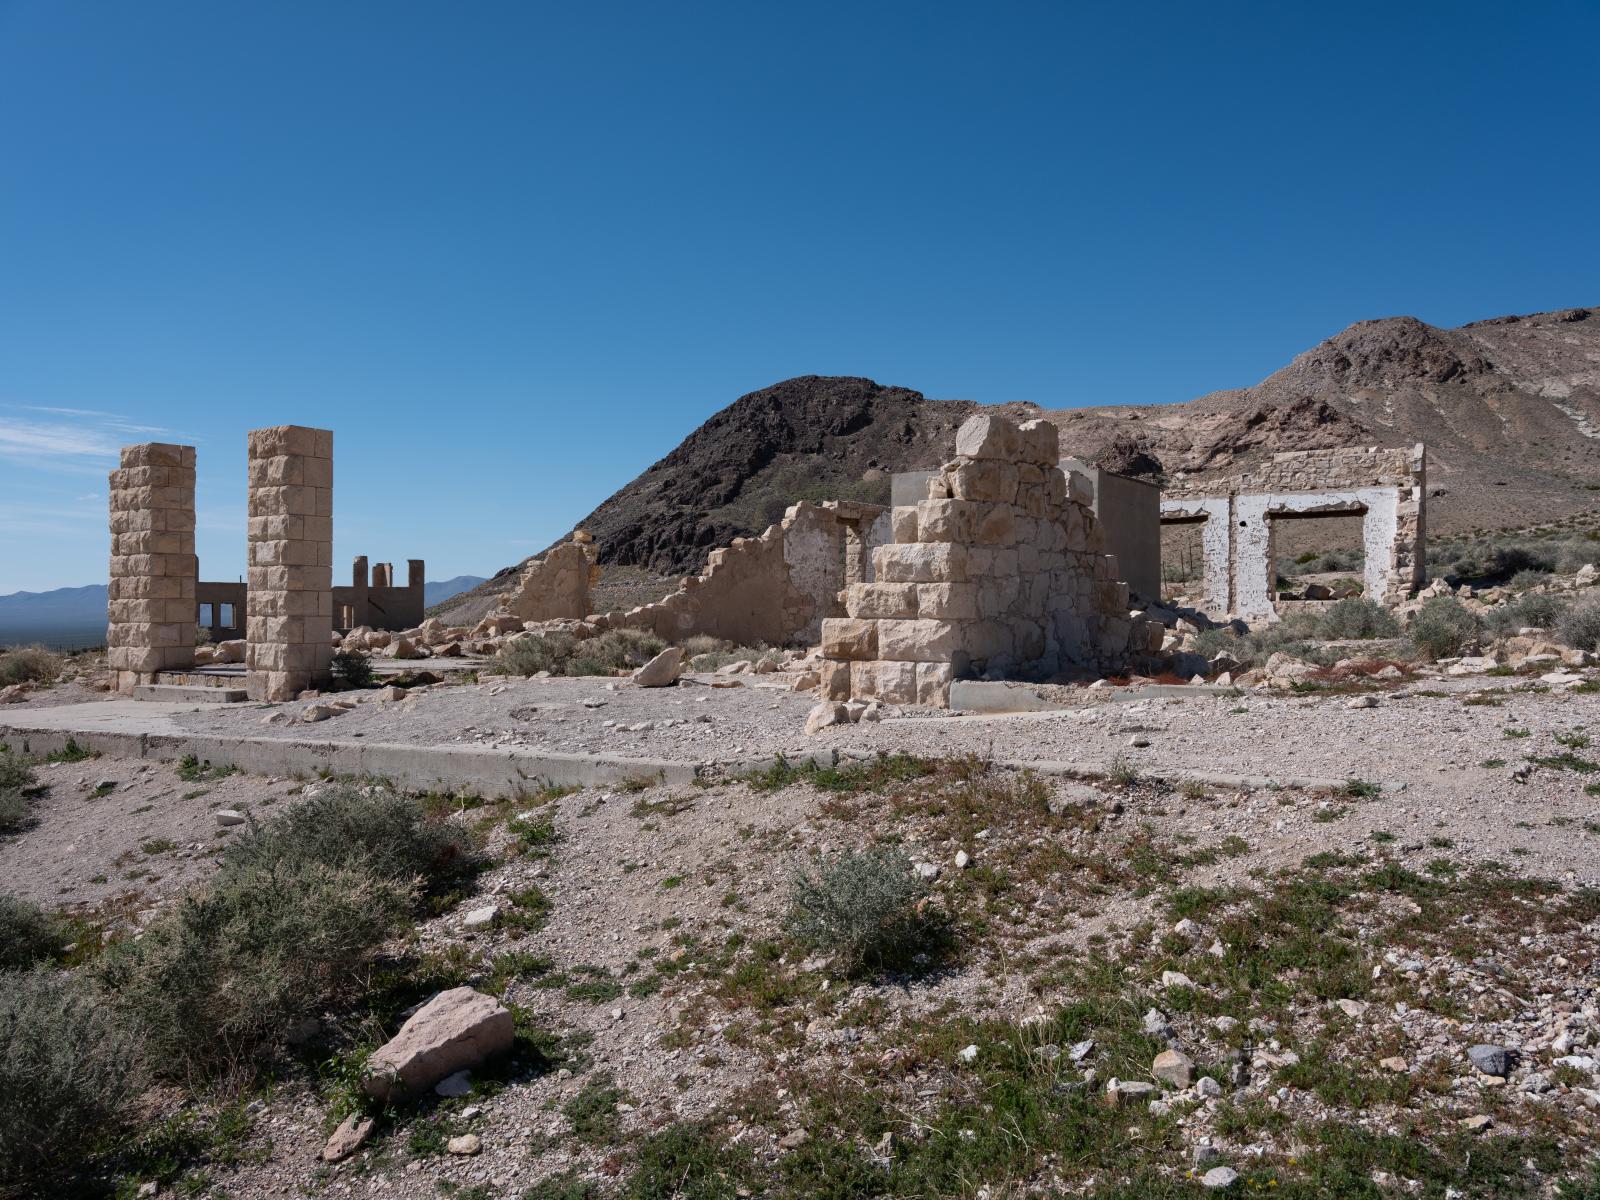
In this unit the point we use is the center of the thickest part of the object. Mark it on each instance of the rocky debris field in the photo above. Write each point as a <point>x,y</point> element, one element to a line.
<point>1132,982</point>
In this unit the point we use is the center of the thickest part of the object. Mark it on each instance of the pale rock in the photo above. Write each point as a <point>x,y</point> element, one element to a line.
<point>660,671</point>
<point>1173,1067</point>
<point>351,1135</point>
<point>230,816</point>
<point>825,714</point>
<point>465,1145</point>
<point>1219,1177</point>
<point>454,1086</point>
<point>457,1028</point>
<point>963,860</point>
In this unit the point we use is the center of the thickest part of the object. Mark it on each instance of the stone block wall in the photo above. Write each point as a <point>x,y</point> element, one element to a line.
<point>152,612</point>
<point>556,587</point>
<point>775,589</point>
<point>290,623</point>
<point>1000,572</point>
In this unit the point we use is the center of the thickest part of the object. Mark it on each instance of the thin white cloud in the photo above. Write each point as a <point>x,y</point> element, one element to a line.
<point>86,444</point>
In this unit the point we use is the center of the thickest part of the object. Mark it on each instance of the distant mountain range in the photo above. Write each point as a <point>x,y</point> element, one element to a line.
<point>70,618</point>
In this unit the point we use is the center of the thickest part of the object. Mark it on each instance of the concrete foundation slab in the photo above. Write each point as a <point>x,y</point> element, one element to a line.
<point>180,693</point>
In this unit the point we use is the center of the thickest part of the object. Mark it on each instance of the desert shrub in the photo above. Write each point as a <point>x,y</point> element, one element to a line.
<point>366,827</point>
<point>532,653</point>
<point>215,984</point>
<point>28,664</point>
<point>66,1071</point>
<point>1538,610</point>
<point>28,934</point>
<point>1523,580</point>
<point>352,668</point>
<point>1443,626</point>
<point>1358,618</point>
<point>1211,642</point>
<point>859,906</point>
<point>703,643</point>
<point>1323,562</point>
<point>17,788</point>
<point>614,650</point>
<point>1579,626</point>
<point>710,660</point>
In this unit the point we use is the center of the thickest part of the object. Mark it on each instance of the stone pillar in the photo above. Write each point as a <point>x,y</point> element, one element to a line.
<point>152,612</point>
<point>290,638</point>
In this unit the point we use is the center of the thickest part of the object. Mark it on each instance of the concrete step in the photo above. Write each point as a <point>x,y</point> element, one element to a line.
<point>172,693</point>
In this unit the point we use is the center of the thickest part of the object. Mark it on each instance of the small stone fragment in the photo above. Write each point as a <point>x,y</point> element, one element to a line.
<point>351,1135</point>
<point>1219,1177</point>
<point>466,1144</point>
<point>1491,1060</point>
<point>1173,1067</point>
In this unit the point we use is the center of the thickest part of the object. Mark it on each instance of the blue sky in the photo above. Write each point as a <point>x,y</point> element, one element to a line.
<point>512,253</point>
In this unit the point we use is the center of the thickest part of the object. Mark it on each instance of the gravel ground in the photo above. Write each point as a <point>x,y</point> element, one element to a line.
<point>641,877</point>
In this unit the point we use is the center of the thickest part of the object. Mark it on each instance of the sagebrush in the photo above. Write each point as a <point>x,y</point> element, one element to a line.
<point>28,934</point>
<point>562,654</point>
<point>67,1071</point>
<point>364,826</point>
<point>28,664</point>
<point>1443,627</point>
<point>860,906</point>
<point>215,985</point>
<point>1579,626</point>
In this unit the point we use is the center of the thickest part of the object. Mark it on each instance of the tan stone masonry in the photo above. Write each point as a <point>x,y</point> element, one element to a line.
<point>151,612</point>
<point>1000,572</point>
<point>289,636</point>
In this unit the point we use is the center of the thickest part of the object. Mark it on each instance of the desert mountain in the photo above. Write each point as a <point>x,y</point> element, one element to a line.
<point>1509,409</point>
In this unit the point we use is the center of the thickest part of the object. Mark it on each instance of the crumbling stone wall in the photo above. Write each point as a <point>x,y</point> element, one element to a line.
<point>1001,571</point>
<point>775,589</point>
<point>290,622</point>
<point>152,611</point>
<point>1388,487</point>
<point>556,587</point>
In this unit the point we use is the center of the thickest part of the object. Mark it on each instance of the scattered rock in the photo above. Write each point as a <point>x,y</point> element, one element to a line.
<point>481,918</point>
<point>1394,1063</point>
<point>351,1135</point>
<point>1173,1067</point>
<point>466,1144</point>
<point>825,714</point>
<point>1121,1093</point>
<point>453,1086</point>
<point>1491,1060</point>
<point>1219,1177</point>
<point>660,671</point>
<point>230,816</point>
<point>1207,1088</point>
<point>457,1028</point>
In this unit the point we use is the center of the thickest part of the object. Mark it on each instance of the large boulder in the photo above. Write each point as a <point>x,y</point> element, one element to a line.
<point>662,670</point>
<point>457,1029</point>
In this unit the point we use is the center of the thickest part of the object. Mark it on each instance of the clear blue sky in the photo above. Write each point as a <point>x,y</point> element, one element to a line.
<point>512,252</point>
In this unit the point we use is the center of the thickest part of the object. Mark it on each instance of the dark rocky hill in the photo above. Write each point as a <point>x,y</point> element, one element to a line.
<point>1509,409</point>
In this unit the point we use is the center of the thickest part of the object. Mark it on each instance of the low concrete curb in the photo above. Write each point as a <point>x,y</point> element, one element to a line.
<point>489,771</point>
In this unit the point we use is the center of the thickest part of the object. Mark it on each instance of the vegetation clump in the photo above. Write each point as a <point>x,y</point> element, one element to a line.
<point>29,664</point>
<point>67,1072</point>
<point>18,787</point>
<point>562,654</point>
<point>352,669</point>
<point>215,985</point>
<point>28,934</point>
<point>861,906</point>
<point>365,827</point>
<point>1579,626</point>
<point>1443,627</point>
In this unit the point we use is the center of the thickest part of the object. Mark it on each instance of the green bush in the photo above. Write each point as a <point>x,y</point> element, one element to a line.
<point>366,827</point>
<point>28,934</point>
<point>860,907</point>
<point>1442,627</point>
<point>614,650</point>
<point>1358,618</point>
<point>1537,610</point>
<point>17,788</point>
<point>352,668</point>
<point>532,653</point>
<point>28,664</point>
<point>67,1070</point>
<point>1579,626</point>
<point>215,984</point>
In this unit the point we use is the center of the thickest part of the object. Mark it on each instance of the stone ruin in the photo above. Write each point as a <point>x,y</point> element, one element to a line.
<point>1000,573</point>
<point>774,590</point>
<point>556,587</point>
<point>1388,488</point>
<point>154,572</point>
<point>151,612</point>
